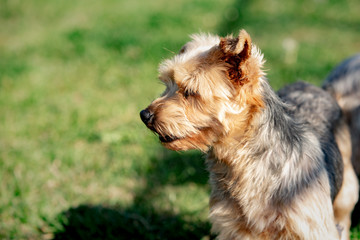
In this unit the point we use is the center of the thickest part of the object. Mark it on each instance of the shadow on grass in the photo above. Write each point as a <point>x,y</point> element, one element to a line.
<point>355,216</point>
<point>105,223</point>
<point>178,168</point>
<point>141,220</point>
<point>172,169</point>
<point>234,18</point>
<point>242,14</point>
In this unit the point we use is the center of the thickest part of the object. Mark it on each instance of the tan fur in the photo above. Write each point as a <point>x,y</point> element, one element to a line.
<point>348,195</point>
<point>215,101</point>
<point>351,108</point>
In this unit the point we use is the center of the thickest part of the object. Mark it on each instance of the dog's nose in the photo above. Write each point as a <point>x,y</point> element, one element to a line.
<point>145,116</point>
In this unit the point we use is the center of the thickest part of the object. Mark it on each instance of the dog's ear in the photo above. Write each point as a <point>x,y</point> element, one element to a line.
<point>236,52</point>
<point>240,46</point>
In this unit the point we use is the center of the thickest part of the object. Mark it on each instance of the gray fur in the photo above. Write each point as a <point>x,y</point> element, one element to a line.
<point>318,110</point>
<point>303,109</point>
<point>344,84</point>
<point>344,80</point>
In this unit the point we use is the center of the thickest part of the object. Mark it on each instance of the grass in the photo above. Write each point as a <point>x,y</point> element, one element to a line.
<point>75,160</point>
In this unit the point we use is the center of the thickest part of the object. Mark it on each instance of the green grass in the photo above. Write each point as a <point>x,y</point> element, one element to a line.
<point>75,160</point>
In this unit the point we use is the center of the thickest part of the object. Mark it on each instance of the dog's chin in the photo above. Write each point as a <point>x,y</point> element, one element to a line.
<point>196,141</point>
<point>168,139</point>
<point>175,143</point>
<point>178,144</point>
<point>201,140</point>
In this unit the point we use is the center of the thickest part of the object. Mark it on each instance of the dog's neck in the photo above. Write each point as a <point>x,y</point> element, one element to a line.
<point>273,127</point>
<point>272,148</point>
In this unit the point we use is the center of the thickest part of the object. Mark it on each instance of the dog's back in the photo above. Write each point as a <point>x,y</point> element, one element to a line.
<point>332,113</point>
<point>344,84</point>
<point>315,107</point>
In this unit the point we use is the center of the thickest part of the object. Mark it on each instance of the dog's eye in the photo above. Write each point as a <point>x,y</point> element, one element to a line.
<point>182,50</point>
<point>188,93</point>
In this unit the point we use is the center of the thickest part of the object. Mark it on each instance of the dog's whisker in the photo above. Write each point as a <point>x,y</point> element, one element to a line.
<point>168,50</point>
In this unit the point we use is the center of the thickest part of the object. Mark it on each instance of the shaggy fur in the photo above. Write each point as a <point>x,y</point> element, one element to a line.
<point>276,164</point>
<point>344,84</point>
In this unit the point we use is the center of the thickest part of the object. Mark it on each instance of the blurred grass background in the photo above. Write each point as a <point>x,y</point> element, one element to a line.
<point>75,160</point>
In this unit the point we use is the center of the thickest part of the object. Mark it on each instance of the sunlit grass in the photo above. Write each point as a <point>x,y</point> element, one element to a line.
<point>74,76</point>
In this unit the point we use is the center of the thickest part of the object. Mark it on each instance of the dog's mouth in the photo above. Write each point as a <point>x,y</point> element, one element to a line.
<point>163,138</point>
<point>167,138</point>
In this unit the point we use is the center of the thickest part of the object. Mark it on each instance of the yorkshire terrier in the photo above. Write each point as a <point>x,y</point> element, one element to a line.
<point>280,164</point>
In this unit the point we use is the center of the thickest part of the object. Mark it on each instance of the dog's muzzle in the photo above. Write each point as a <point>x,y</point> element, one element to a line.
<point>147,117</point>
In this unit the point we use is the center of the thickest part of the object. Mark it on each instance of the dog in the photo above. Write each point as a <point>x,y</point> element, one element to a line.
<point>279,164</point>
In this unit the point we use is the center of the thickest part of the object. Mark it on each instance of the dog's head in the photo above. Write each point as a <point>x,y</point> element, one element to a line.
<point>211,90</point>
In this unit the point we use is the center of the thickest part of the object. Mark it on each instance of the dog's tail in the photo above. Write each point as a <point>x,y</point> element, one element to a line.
<point>344,84</point>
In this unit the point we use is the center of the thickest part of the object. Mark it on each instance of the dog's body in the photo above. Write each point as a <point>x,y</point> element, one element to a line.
<point>276,166</point>
<point>343,84</point>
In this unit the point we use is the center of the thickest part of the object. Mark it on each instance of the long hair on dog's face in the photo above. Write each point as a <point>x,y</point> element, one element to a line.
<point>194,111</point>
